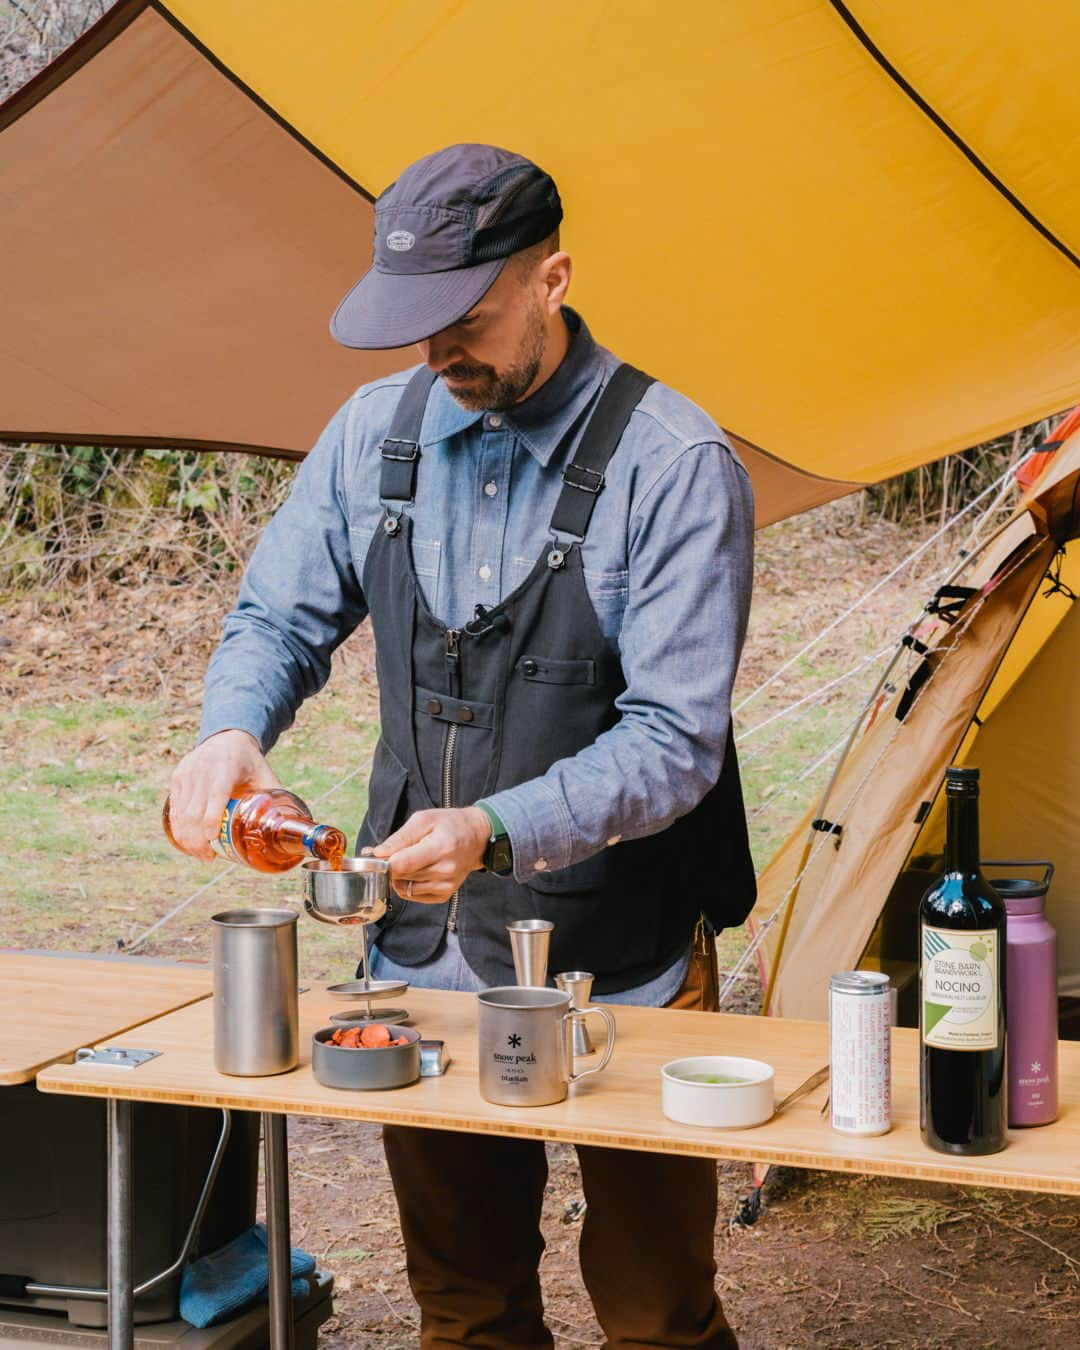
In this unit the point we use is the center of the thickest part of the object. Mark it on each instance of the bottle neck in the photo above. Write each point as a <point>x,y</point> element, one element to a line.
<point>962,832</point>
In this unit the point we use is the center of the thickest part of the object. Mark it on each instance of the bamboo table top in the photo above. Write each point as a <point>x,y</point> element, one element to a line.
<point>53,1003</point>
<point>619,1108</point>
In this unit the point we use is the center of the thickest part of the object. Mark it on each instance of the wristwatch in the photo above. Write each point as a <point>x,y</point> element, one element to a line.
<point>499,854</point>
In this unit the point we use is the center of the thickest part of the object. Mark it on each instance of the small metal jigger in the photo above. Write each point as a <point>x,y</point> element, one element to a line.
<point>578,984</point>
<point>529,940</point>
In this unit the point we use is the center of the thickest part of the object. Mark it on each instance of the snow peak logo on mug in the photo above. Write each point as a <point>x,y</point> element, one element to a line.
<point>400,240</point>
<point>526,1045</point>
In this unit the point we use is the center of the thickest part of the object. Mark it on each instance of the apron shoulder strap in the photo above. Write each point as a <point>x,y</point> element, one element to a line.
<point>583,480</point>
<point>401,445</point>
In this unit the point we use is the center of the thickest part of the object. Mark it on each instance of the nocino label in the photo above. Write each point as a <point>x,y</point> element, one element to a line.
<point>960,989</point>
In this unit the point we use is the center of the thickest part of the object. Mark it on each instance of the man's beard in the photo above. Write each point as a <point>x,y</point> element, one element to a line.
<point>489,388</point>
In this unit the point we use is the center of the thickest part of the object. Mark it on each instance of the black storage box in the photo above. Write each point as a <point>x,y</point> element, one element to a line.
<point>53,1195</point>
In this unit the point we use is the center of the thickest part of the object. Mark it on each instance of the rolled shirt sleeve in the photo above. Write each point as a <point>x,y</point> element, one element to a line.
<point>690,577</point>
<point>299,599</point>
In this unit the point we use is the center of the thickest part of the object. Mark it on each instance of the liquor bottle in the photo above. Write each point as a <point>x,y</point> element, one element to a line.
<point>962,989</point>
<point>271,830</point>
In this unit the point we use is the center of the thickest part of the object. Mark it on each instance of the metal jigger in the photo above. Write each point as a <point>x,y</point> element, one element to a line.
<point>529,940</point>
<point>578,984</point>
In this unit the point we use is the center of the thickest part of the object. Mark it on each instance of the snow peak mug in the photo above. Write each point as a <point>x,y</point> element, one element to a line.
<point>527,1047</point>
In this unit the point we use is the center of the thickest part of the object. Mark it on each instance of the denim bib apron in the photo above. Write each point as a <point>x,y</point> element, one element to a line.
<point>469,711</point>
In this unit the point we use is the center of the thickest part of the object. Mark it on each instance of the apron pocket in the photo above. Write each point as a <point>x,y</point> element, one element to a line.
<point>547,670</point>
<point>386,797</point>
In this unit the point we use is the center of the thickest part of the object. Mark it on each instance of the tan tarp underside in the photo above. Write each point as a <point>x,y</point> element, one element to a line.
<point>171,259</point>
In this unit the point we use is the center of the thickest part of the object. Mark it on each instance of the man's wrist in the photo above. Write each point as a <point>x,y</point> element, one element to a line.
<point>498,855</point>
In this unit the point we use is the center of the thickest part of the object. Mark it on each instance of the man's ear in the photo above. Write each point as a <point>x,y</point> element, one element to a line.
<point>555,273</point>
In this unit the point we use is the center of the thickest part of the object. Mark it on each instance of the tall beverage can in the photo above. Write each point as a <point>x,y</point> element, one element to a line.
<point>860,1081</point>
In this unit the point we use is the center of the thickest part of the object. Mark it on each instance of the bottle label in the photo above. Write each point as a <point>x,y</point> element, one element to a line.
<point>960,989</point>
<point>223,844</point>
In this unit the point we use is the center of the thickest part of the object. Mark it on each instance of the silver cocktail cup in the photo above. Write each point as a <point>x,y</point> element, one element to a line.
<point>354,893</point>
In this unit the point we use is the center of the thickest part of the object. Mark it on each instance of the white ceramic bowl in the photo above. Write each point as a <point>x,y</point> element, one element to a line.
<point>730,1105</point>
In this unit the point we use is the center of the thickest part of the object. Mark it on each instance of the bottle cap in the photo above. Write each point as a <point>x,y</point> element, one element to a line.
<point>955,775</point>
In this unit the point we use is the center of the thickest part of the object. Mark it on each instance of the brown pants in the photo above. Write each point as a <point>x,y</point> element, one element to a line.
<point>470,1215</point>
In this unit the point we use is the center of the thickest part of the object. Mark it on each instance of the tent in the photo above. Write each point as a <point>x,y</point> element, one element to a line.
<point>986,678</point>
<point>847,230</point>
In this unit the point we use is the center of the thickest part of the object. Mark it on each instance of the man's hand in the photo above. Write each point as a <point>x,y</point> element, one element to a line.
<point>435,851</point>
<point>204,780</point>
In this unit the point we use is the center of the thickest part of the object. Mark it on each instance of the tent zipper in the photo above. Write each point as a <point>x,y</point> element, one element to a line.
<point>453,659</point>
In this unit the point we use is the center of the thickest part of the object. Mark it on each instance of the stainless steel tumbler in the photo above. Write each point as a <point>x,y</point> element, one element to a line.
<point>255,992</point>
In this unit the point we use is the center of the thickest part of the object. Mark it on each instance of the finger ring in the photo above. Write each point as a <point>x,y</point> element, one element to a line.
<point>408,890</point>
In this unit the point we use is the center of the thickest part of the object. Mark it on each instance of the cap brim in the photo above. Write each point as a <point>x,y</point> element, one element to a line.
<point>386,310</point>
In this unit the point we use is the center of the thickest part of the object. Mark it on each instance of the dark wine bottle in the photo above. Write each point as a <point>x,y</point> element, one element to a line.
<point>962,989</point>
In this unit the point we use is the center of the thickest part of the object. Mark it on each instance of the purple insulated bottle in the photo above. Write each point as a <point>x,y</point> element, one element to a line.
<point>1031,979</point>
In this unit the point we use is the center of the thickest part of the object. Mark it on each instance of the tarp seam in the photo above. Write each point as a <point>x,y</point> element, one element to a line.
<point>969,154</point>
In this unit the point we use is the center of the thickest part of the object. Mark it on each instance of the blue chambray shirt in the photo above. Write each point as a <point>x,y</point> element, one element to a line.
<point>668,564</point>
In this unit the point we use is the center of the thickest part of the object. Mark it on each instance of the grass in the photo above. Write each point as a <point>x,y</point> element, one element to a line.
<point>86,864</point>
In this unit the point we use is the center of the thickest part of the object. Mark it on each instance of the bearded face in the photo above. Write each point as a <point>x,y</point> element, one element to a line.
<point>478,385</point>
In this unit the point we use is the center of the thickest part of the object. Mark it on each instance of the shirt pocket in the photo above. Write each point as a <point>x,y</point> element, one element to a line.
<point>427,564</point>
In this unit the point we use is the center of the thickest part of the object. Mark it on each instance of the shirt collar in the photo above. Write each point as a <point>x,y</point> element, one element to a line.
<point>542,421</point>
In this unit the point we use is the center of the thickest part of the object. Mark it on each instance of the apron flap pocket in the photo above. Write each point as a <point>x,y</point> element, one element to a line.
<point>547,670</point>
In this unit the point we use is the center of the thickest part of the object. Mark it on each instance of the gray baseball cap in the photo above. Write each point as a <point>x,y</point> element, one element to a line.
<point>443,233</point>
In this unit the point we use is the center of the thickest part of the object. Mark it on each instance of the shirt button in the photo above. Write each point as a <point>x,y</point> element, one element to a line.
<point>434,707</point>
<point>466,714</point>
<point>540,864</point>
<point>494,421</point>
<point>485,572</point>
<point>491,489</point>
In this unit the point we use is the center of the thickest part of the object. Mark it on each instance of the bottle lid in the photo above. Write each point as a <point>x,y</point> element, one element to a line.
<point>1014,890</point>
<point>955,775</point>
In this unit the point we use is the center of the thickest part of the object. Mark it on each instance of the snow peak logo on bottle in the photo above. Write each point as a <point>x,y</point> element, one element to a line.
<point>960,989</point>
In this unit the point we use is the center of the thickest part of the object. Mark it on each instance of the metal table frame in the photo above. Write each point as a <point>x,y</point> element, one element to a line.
<point>119,1145</point>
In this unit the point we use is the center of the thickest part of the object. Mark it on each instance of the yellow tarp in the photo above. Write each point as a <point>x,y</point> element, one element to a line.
<point>760,212</point>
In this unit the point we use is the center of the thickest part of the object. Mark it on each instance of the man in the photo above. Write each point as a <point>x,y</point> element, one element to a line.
<point>555,553</point>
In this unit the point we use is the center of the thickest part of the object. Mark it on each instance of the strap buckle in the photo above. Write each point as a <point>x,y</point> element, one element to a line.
<point>580,481</point>
<point>404,456</point>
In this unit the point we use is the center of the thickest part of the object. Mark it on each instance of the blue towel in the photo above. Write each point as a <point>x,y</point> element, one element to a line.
<point>219,1285</point>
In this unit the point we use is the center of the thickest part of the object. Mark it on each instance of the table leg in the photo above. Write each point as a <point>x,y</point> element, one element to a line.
<point>276,1165</point>
<point>121,1288</point>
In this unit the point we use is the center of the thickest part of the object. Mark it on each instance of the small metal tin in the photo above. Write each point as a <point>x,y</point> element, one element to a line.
<point>434,1061</point>
<point>860,1016</point>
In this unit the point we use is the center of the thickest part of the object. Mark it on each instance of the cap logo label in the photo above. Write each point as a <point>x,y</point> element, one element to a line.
<point>400,240</point>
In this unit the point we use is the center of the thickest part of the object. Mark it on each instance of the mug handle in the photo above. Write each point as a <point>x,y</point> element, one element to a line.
<point>609,1022</point>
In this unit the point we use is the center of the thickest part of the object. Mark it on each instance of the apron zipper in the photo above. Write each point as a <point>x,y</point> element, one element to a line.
<point>453,657</point>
